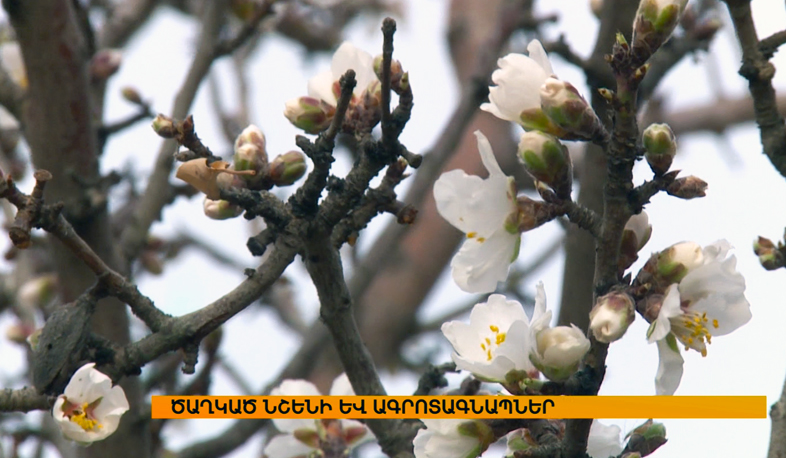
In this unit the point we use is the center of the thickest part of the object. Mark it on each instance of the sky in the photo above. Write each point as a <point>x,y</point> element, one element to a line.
<point>744,200</point>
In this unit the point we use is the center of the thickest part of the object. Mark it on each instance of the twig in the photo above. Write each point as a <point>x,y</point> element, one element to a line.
<point>24,400</point>
<point>759,73</point>
<point>157,193</point>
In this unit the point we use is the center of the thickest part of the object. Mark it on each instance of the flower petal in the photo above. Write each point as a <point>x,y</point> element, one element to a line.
<point>669,372</point>
<point>320,87</point>
<point>286,446</point>
<point>346,57</point>
<point>538,54</point>
<point>341,386</point>
<point>670,308</point>
<point>483,262</point>
<point>603,441</point>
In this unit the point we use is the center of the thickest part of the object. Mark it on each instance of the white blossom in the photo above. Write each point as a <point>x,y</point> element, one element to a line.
<point>557,351</point>
<point>481,209</point>
<point>518,81</point>
<point>323,86</point>
<point>90,408</point>
<point>708,301</point>
<point>494,342</point>
<point>302,436</point>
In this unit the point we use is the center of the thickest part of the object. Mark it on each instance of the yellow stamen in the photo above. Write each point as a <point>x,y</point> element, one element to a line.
<point>471,235</point>
<point>494,329</point>
<point>80,418</point>
<point>481,239</point>
<point>715,324</point>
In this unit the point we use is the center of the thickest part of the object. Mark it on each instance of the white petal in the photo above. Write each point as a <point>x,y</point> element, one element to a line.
<point>497,311</point>
<point>717,277</point>
<point>518,81</point>
<point>487,155</point>
<point>454,193</point>
<point>603,441</point>
<point>480,265</point>
<point>669,372</point>
<point>493,370</point>
<point>286,446</point>
<point>538,54</point>
<point>541,316</point>
<point>516,346</point>
<point>320,87</point>
<point>346,57</point>
<point>731,312</point>
<point>295,388</point>
<point>464,339</point>
<point>341,386</point>
<point>441,439</point>
<point>113,403</point>
<point>670,308</point>
<point>290,425</point>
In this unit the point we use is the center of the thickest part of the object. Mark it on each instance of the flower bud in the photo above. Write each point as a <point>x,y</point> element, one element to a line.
<point>19,332</point>
<point>770,256</point>
<point>104,64</point>
<point>675,262</point>
<point>251,135</point>
<point>611,316</point>
<point>646,438</point>
<point>558,351</point>
<point>687,188</point>
<point>397,73</point>
<point>660,146</point>
<point>131,95</point>
<point>309,114</point>
<point>221,209</point>
<point>204,177</point>
<point>567,109</point>
<point>37,292</point>
<point>164,126</point>
<point>477,429</point>
<point>250,154</point>
<point>548,161</point>
<point>287,168</point>
<point>635,235</point>
<point>655,21</point>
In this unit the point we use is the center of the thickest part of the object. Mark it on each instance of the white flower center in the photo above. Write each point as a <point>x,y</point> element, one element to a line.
<point>488,345</point>
<point>693,330</point>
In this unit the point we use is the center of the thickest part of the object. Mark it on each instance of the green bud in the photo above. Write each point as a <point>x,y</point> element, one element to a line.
<point>287,168</point>
<point>655,21</point>
<point>660,147</point>
<point>548,161</point>
<point>567,109</point>
<point>164,126</point>
<point>770,256</point>
<point>676,261</point>
<point>221,209</point>
<point>646,438</point>
<point>131,95</point>
<point>309,114</point>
